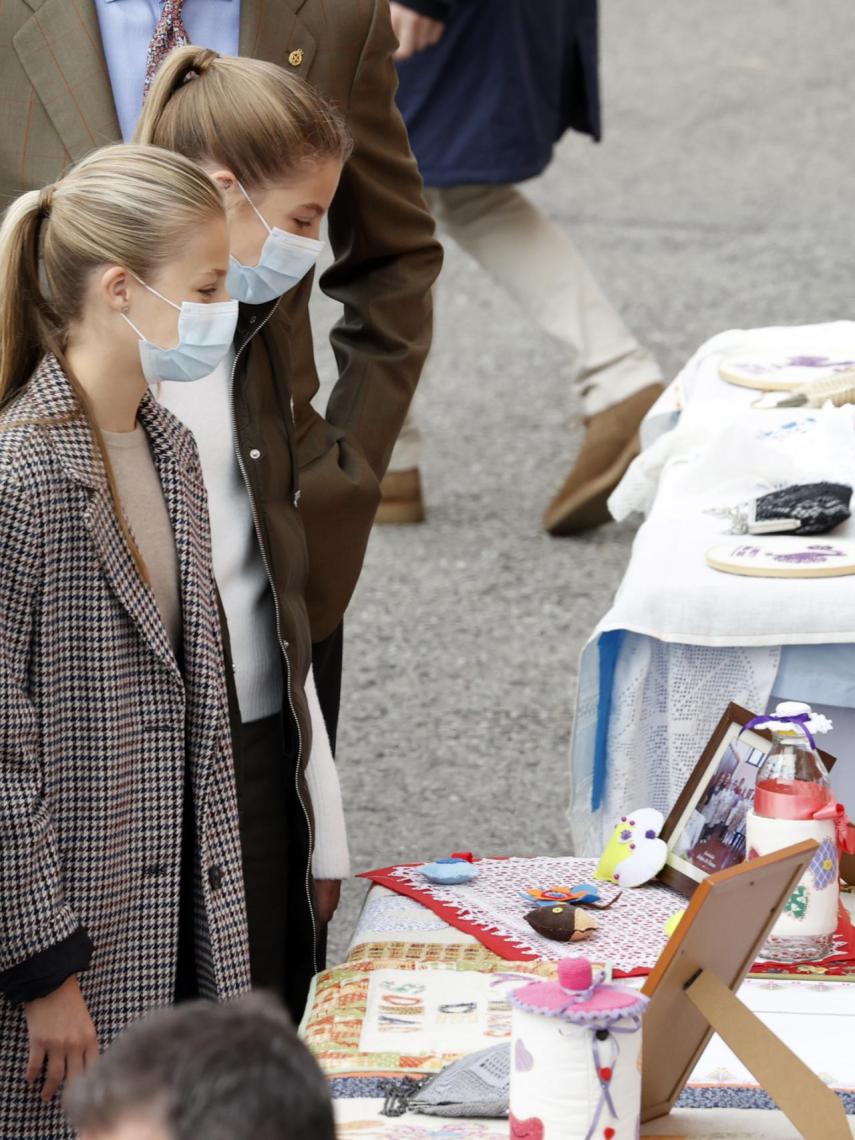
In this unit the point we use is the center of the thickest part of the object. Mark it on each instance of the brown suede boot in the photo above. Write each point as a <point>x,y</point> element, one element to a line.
<point>402,500</point>
<point>610,445</point>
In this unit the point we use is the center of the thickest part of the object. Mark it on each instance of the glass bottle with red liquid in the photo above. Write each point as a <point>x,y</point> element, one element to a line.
<point>793,801</point>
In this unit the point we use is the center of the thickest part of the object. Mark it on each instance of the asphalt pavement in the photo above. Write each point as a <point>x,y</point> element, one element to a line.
<point>720,197</point>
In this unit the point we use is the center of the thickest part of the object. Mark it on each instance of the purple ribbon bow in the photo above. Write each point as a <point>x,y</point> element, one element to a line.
<point>799,719</point>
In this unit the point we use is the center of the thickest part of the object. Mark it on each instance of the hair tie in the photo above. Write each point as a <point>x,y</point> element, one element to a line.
<point>46,200</point>
<point>200,66</point>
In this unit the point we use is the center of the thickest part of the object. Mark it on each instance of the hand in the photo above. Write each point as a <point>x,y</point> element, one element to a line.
<point>327,898</point>
<point>61,1033</point>
<point>414,32</point>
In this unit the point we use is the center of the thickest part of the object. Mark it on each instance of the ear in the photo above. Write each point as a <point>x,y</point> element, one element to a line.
<point>224,178</point>
<point>113,287</point>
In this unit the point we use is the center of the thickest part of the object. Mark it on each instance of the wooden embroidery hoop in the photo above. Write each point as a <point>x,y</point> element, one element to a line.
<point>692,995</point>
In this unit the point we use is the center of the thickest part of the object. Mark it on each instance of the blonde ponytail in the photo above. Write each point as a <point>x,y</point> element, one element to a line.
<point>28,327</point>
<point>247,115</point>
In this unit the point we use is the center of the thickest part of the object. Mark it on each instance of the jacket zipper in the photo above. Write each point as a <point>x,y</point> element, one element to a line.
<point>283,644</point>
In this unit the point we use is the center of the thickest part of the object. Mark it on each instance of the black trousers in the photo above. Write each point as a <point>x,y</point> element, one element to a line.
<point>285,947</point>
<point>275,850</point>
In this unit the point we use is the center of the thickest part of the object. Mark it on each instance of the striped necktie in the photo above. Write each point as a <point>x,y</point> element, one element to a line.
<point>170,33</point>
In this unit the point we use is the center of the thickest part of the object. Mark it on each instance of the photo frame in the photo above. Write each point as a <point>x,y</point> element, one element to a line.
<point>692,991</point>
<point>705,831</point>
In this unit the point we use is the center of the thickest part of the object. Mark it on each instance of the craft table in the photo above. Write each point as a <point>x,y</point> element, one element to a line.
<point>682,640</point>
<point>397,933</point>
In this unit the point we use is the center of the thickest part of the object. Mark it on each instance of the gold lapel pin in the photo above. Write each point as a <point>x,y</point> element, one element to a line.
<point>296,57</point>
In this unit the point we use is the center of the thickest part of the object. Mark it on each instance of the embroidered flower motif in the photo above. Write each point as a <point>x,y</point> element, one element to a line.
<point>823,866</point>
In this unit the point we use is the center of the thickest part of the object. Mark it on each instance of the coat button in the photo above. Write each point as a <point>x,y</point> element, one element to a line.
<point>215,877</point>
<point>255,453</point>
<point>296,57</point>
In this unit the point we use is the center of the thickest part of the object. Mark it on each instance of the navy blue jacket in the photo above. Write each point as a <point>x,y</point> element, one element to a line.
<point>507,79</point>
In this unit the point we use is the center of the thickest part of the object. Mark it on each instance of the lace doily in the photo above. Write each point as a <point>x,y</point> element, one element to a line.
<point>629,938</point>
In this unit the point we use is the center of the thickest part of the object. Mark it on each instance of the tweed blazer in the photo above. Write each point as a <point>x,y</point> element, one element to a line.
<point>57,106</point>
<point>100,728</point>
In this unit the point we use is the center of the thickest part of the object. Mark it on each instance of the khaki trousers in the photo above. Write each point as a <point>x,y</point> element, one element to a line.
<point>535,261</point>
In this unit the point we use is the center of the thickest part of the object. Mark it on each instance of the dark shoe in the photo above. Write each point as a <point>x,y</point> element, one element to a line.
<point>402,501</point>
<point>610,445</point>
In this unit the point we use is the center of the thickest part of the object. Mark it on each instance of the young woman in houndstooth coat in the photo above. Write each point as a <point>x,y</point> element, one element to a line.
<point>120,878</point>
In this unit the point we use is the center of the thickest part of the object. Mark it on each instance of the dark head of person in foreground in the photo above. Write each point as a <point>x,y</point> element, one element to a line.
<point>218,1072</point>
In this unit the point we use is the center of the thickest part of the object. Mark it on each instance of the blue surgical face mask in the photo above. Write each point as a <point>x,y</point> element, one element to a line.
<point>284,261</point>
<point>205,334</point>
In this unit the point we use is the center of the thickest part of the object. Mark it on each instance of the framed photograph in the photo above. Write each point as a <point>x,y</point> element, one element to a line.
<point>692,992</point>
<point>705,832</point>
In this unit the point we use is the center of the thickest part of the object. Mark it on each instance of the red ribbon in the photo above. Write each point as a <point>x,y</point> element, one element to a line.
<point>842,825</point>
<point>799,799</point>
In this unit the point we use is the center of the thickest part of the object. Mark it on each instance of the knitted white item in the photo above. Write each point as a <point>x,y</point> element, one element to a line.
<point>332,858</point>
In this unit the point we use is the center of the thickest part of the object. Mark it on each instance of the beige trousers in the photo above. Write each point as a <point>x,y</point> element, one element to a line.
<point>536,262</point>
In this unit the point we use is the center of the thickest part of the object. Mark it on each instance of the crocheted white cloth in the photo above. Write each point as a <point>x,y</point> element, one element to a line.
<point>630,934</point>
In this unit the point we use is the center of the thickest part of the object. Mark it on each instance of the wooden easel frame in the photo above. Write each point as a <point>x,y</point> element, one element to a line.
<point>692,994</point>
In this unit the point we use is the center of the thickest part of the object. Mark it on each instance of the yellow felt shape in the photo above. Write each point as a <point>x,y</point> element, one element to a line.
<point>672,923</point>
<point>635,854</point>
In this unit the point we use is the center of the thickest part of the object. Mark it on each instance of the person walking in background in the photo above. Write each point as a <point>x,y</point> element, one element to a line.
<point>121,887</point>
<point>486,89</point>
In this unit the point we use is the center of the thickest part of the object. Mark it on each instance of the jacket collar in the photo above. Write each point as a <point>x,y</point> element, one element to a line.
<point>251,318</point>
<point>49,396</point>
<point>50,400</point>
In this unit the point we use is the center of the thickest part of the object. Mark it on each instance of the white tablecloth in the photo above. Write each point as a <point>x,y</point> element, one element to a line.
<point>691,639</point>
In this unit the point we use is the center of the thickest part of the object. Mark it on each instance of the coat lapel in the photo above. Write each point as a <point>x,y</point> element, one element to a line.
<point>49,397</point>
<point>121,572</point>
<point>186,501</point>
<point>266,32</point>
<point>60,49</point>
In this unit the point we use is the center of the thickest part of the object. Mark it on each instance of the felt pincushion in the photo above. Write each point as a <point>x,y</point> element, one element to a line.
<point>576,1057</point>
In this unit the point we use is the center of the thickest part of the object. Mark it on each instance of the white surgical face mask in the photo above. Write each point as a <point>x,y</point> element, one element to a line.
<point>205,335</point>
<point>284,261</point>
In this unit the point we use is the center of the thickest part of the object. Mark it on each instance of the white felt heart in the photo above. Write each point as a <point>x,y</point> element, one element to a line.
<point>634,841</point>
<point>642,864</point>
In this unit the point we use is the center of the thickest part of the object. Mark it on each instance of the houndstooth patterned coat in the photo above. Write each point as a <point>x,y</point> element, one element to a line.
<point>98,726</point>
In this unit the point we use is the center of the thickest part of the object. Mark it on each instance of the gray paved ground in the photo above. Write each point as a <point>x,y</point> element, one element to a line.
<point>721,197</point>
